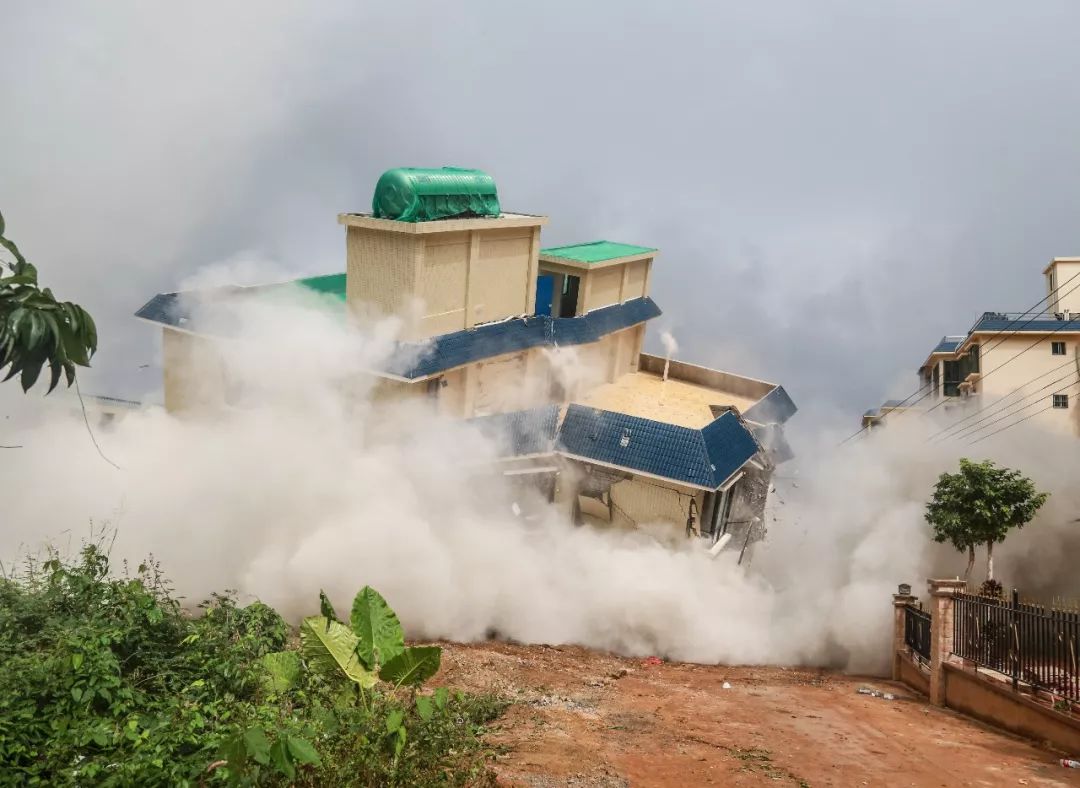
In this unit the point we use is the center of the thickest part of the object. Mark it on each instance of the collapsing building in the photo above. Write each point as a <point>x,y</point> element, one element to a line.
<point>623,438</point>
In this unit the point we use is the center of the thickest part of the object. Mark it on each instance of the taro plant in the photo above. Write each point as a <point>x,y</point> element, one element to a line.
<point>371,648</point>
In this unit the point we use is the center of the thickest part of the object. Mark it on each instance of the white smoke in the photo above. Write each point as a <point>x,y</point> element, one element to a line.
<point>314,484</point>
<point>671,347</point>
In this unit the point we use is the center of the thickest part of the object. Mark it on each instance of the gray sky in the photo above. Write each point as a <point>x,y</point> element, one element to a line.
<point>833,185</point>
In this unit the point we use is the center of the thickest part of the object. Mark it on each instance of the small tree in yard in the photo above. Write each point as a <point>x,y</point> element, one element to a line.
<point>36,329</point>
<point>980,505</point>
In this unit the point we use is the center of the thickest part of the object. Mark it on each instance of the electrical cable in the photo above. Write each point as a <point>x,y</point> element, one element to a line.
<point>995,402</point>
<point>931,388</point>
<point>997,421</point>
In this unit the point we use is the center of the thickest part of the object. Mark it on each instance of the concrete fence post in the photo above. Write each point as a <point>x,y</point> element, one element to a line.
<point>942,596</point>
<point>900,601</point>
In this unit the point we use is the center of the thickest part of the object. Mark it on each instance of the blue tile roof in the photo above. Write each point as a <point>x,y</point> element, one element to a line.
<point>946,345</point>
<point>776,407</point>
<point>522,432</point>
<point>414,360</point>
<point>995,321</point>
<point>702,458</point>
<point>420,359</point>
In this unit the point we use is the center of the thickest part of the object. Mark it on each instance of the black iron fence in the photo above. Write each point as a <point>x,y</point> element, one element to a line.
<point>917,630</point>
<point>1030,643</point>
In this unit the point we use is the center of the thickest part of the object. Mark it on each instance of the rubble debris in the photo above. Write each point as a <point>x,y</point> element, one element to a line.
<point>725,685</point>
<point>652,661</point>
<point>1069,763</point>
<point>875,693</point>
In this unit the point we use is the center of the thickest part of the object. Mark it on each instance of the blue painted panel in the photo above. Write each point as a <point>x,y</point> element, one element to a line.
<point>545,292</point>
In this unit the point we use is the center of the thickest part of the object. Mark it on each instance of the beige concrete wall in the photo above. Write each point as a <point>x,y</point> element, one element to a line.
<point>1011,366</point>
<point>497,385</point>
<point>1064,271</point>
<point>499,279</point>
<point>452,394</point>
<point>603,287</point>
<point>194,376</point>
<point>989,701</point>
<point>747,388</point>
<point>444,279</point>
<point>636,280</point>
<point>382,270</point>
<point>915,676</point>
<point>644,502</point>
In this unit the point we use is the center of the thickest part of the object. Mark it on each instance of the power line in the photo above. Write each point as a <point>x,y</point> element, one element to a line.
<point>1014,332</point>
<point>1038,341</point>
<point>1007,407</point>
<point>997,421</point>
<point>1008,426</point>
<point>954,425</point>
<point>931,388</point>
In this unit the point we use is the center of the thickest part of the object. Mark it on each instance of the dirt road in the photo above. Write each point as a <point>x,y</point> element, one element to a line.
<point>589,719</point>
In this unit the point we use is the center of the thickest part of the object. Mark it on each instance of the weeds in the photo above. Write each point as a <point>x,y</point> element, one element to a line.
<point>105,680</point>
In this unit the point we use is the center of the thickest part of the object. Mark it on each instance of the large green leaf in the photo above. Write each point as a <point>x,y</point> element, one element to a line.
<point>329,647</point>
<point>377,627</point>
<point>302,751</point>
<point>412,666</point>
<point>282,670</point>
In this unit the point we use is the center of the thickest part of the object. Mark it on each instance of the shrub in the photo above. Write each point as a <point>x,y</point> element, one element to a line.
<point>106,680</point>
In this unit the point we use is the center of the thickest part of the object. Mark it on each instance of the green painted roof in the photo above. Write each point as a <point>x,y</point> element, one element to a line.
<point>332,285</point>
<point>328,284</point>
<point>595,251</point>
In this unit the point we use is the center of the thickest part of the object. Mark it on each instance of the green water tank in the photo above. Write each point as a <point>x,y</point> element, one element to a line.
<point>417,194</point>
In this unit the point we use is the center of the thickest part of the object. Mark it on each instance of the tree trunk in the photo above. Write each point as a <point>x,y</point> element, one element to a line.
<point>971,562</point>
<point>990,560</point>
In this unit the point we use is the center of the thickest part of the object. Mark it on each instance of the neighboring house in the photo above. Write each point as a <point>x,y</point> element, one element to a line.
<point>101,411</point>
<point>876,416</point>
<point>623,437</point>
<point>1008,366</point>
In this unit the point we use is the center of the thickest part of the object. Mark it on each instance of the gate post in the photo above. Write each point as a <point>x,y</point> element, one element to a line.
<point>942,597</point>
<point>900,601</point>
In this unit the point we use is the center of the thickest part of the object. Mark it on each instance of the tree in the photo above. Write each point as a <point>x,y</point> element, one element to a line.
<point>36,329</point>
<point>980,505</point>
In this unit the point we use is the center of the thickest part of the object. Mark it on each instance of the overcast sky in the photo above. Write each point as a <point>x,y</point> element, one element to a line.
<point>833,185</point>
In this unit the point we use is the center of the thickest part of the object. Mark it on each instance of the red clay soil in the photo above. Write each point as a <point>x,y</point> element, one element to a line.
<point>582,718</point>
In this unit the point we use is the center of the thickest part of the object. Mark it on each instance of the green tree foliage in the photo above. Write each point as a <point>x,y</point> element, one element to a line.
<point>36,329</point>
<point>980,505</point>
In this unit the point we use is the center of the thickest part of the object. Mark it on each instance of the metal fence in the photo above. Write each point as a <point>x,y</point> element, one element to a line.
<point>1030,643</point>
<point>917,630</point>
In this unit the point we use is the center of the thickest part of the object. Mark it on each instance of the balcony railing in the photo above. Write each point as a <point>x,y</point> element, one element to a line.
<point>1021,318</point>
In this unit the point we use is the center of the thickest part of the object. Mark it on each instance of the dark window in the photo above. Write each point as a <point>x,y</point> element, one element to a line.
<point>568,302</point>
<point>1057,348</point>
<point>968,363</point>
<point>1061,400</point>
<point>953,379</point>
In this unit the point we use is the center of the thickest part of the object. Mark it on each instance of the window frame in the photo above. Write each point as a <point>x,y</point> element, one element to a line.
<point>1054,345</point>
<point>1063,399</point>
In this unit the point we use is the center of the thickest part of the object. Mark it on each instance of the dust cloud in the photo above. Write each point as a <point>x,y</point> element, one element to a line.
<point>309,484</point>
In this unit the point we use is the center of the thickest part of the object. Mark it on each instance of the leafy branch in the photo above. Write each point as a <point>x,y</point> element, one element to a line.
<point>36,329</point>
